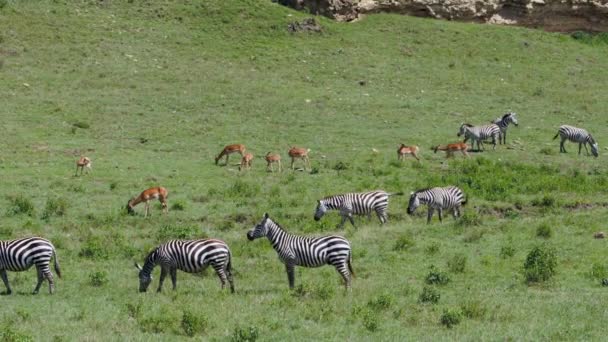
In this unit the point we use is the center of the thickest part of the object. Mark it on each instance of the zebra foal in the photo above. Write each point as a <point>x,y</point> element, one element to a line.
<point>577,135</point>
<point>479,134</point>
<point>359,203</point>
<point>447,198</point>
<point>294,250</point>
<point>191,256</point>
<point>21,254</point>
<point>502,123</point>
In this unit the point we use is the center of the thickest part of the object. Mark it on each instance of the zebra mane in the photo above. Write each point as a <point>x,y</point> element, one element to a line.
<point>421,190</point>
<point>468,125</point>
<point>276,224</point>
<point>506,115</point>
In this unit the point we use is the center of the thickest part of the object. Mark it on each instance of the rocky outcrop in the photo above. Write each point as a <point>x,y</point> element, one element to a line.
<point>551,15</point>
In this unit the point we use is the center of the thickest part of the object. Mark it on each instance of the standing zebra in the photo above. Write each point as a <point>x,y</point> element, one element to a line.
<point>579,135</point>
<point>449,197</point>
<point>305,251</point>
<point>191,256</point>
<point>20,254</point>
<point>502,123</point>
<point>362,203</point>
<point>479,134</point>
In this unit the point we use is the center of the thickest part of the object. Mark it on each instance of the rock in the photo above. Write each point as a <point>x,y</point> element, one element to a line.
<point>551,15</point>
<point>599,235</point>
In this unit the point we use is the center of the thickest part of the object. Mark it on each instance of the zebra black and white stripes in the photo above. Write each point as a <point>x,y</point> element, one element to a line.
<point>479,134</point>
<point>362,203</point>
<point>191,256</point>
<point>578,135</point>
<point>502,123</point>
<point>21,254</point>
<point>294,250</point>
<point>441,199</point>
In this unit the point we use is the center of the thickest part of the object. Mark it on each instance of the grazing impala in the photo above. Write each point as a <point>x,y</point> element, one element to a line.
<point>451,148</point>
<point>299,153</point>
<point>272,158</point>
<point>236,148</point>
<point>403,150</point>
<point>146,196</point>
<point>81,164</point>
<point>246,161</point>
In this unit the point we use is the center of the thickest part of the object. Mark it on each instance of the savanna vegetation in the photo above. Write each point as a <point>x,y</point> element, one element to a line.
<point>151,91</point>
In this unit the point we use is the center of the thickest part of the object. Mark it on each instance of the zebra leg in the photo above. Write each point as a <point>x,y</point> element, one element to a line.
<point>429,215</point>
<point>49,277</point>
<point>290,275</point>
<point>173,273</point>
<point>163,274</point>
<point>440,212</point>
<point>352,221</point>
<point>40,279</point>
<point>219,271</point>
<point>5,280</point>
<point>343,270</point>
<point>229,276</point>
<point>562,149</point>
<point>341,224</point>
<point>381,216</point>
<point>456,212</point>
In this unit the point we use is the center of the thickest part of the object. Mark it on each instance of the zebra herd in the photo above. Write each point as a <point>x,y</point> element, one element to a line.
<point>193,256</point>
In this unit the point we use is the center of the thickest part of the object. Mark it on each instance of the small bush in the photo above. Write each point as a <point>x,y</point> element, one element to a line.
<point>540,264</point>
<point>598,271</point>
<point>94,248</point>
<point>605,282</point>
<point>167,232</point>
<point>470,218</point>
<point>370,321</point>
<point>8,334</point>
<point>3,4</point>
<point>381,302</point>
<point>242,188</point>
<point>54,207</point>
<point>473,310</point>
<point>156,324</point>
<point>429,295</point>
<point>98,278</point>
<point>113,185</point>
<point>341,166</point>
<point>451,317</point>
<point>436,277</point>
<point>20,204</point>
<point>134,309</point>
<point>544,231</point>
<point>458,263</point>
<point>403,242</point>
<point>178,206</point>
<point>80,124</point>
<point>245,334</point>
<point>547,201</point>
<point>507,251</point>
<point>193,324</point>
<point>314,171</point>
<point>474,235</point>
<point>432,249</point>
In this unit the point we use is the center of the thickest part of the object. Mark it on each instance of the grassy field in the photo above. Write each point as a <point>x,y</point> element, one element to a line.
<point>152,90</point>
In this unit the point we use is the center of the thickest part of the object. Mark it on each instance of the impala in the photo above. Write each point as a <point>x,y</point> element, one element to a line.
<point>272,158</point>
<point>299,153</point>
<point>228,150</point>
<point>246,161</point>
<point>146,196</point>
<point>81,164</point>
<point>403,150</point>
<point>451,148</point>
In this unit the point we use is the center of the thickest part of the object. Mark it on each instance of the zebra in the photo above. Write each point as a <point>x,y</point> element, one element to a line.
<point>579,135</point>
<point>479,134</point>
<point>449,197</point>
<point>294,250</point>
<point>191,256</point>
<point>362,203</point>
<point>502,123</point>
<point>20,254</point>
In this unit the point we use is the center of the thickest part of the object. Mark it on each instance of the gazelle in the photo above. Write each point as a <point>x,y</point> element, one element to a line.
<point>81,164</point>
<point>299,153</point>
<point>272,158</point>
<point>403,150</point>
<point>229,149</point>
<point>451,148</point>
<point>146,196</point>
<point>246,161</point>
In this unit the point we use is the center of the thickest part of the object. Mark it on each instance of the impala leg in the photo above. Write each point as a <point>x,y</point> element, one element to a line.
<point>5,280</point>
<point>163,274</point>
<point>147,206</point>
<point>290,275</point>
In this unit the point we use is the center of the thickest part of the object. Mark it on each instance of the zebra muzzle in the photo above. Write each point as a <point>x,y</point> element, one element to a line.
<point>250,236</point>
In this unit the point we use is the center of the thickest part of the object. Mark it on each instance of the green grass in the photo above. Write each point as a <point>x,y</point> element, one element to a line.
<point>151,92</point>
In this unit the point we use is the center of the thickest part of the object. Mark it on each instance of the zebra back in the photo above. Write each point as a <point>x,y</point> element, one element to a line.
<point>20,254</point>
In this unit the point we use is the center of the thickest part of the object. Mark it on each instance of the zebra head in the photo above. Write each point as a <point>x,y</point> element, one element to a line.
<point>144,279</point>
<point>510,117</point>
<point>463,129</point>
<point>594,147</point>
<point>320,211</point>
<point>414,203</point>
<point>260,230</point>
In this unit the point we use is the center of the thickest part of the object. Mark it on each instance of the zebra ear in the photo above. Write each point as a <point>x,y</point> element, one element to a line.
<point>265,215</point>
<point>137,266</point>
<point>411,193</point>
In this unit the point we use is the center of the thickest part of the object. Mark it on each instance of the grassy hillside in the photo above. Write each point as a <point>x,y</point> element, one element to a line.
<point>152,90</point>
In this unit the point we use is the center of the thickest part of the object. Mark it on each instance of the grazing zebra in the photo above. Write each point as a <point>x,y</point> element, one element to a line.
<point>479,134</point>
<point>449,197</point>
<point>191,256</point>
<point>579,135</point>
<point>362,203</point>
<point>20,254</point>
<point>305,251</point>
<point>502,123</point>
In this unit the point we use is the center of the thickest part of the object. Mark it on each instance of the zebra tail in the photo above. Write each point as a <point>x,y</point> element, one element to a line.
<point>350,266</point>
<point>56,264</point>
<point>557,135</point>
<point>400,193</point>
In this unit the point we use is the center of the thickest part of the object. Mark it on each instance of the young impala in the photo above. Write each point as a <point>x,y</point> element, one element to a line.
<point>228,150</point>
<point>299,153</point>
<point>272,158</point>
<point>246,161</point>
<point>81,164</point>
<point>451,148</point>
<point>403,150</point>
<point>146,196</point>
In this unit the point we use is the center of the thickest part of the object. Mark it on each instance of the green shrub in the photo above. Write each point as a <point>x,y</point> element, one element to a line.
<point>54,207</point>
<point>450,317</point>
<point>370,320</point>
<point>159,323</point>
<point>598,271</point>
<point>458,263</point>
<point>94,248</point>
<point>193,324</point>
<point>470,218</point>
<point>544,231</point>
<point>20,204</point>
<point>98,278</point>
<point>341,166</point>
<point>429,295</point>
<point>403,242</point>
<point>605,282</point>
<point>250,334</point>
<point>113,185</point>
<point>432,249</point>
<point>178,206</point>
<point>474,235</point>
<point>507,251</point>
<point>436,277</point>
<point>546,201</point>
<point>540,264</point>
<point>381,302</point>
<point>241,188</point>
<point>168,232</point>
<point>9,334</point>
<point>473,309</point>
<point>548,151</point>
